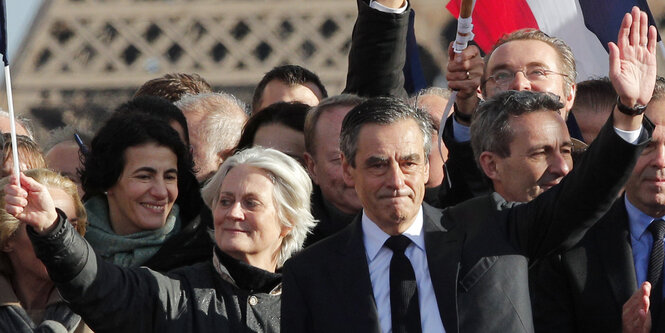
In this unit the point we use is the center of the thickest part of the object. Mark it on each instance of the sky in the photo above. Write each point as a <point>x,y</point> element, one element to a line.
<point>19,16</point>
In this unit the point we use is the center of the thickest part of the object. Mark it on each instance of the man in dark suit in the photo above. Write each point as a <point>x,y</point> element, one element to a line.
<point>584,289</point>
<point>470,266</point>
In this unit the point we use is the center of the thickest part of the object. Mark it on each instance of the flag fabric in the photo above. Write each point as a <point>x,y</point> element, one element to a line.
<point>414,78</point>
<point>3,33</point>
<point>585,25</point>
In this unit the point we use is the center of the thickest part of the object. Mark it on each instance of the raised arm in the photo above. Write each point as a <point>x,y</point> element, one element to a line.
<point>558,218</point>
<point>633,66</point>
<point>464,72</point>
<point>378,51</point>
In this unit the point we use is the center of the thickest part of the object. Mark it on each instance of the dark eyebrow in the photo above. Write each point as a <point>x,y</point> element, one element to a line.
<point>153,170</point>
<point>145,169</point>
<point>375,159</point>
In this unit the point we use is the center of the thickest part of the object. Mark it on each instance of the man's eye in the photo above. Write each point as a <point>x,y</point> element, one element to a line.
<point>537,72</point>
<point>502,76</point>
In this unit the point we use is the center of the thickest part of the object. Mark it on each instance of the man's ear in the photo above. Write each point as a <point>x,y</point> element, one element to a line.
<point>311,167</point>
<point>570,99</point>
<point>348,172</point>
<point>489,163</point>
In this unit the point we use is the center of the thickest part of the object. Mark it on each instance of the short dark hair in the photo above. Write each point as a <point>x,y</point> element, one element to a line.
<point>128,127</point>
<point>159,107</point>
<point>289,114</point>
<point>289,74</point>
<point>173,86</point>
<point>344,100</point>
<point>595,95</point>
<point>491,128</point>
<point>384,111</point>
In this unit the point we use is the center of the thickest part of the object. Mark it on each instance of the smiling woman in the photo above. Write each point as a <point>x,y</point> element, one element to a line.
<point>142,198</point>
<point>260,199</point>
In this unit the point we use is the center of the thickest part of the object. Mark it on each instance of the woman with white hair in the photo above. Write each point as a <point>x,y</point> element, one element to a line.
<point>260,203</point>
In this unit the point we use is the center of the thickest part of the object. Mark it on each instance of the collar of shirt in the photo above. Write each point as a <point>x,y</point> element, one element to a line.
<point>374,237</point>
<point>638,221</point>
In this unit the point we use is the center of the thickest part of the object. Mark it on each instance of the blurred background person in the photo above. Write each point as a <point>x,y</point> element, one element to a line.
<point>279,126</point>
<point>28,299</point>
<point>63,153</point>
<point>30,155</point>
<point>288,83</point>
<point>215,121</point>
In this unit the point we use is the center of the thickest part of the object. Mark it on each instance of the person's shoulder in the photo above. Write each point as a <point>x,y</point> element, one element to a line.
<point>202,271</point>
<point>315,254</point>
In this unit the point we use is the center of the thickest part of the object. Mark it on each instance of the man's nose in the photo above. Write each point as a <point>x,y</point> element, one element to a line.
<point>559,164</point>
<point>520,82</point>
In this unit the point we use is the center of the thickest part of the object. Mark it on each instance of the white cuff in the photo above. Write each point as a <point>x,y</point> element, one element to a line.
<point>629,136</point>
<point>382,8</point>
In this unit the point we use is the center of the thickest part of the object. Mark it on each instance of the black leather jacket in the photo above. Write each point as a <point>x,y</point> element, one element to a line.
<point>199,298</point>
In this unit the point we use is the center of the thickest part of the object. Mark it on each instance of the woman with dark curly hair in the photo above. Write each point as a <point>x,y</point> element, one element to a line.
<point>142,198</point>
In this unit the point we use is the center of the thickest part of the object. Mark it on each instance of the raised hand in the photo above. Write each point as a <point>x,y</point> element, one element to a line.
<point>633,59</point>
<point>463,73</point>
<point>635,317</point>
<point>30,203</point>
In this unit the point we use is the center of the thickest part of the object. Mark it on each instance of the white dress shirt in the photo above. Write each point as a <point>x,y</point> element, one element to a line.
<point>378,259</point>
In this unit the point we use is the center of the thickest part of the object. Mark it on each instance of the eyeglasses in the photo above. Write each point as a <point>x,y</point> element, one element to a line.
<point>504,77</point>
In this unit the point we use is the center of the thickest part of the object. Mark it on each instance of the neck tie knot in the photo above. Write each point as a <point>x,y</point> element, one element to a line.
<point>398,243</point>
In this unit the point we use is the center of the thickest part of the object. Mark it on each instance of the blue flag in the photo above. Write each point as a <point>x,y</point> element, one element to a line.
<point>604,18</point>
<point>3,33</point>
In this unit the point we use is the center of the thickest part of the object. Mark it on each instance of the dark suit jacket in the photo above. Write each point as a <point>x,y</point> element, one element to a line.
<point>584,289</point>
<point>327,288</point>
<point>330,219</point>
<point>478,253</point>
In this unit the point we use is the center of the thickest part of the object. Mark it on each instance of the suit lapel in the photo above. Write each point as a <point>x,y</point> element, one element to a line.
<point>443,256</point>
<point>617,258</point>
<point>351,276</point>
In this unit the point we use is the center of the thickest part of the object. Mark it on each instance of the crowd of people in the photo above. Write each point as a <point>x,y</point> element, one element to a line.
<point>540,209</point>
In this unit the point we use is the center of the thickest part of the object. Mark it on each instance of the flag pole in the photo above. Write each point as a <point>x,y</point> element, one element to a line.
<point>12,123</point>
<point>464,36</point>
<point>8,86</point>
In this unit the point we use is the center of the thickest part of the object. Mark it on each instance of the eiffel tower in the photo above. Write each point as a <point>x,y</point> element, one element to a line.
<point>83,57</point>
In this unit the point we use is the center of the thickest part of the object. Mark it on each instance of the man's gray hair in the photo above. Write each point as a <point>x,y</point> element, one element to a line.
<point>21,120</point>
<point>491,129</point>
<point>292,190</point>
<point>313,115</point>
<point>382,111</point>
<point>65,134</point>
<point>224,115</point>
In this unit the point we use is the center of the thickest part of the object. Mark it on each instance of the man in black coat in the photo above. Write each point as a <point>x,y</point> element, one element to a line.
<point>584,289</point>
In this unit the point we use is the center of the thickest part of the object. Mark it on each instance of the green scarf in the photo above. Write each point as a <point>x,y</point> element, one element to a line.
<point>128,250</point>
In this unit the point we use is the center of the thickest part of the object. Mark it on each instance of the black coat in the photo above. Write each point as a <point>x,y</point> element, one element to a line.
<point>199,298</point>
<point>584,289</point>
